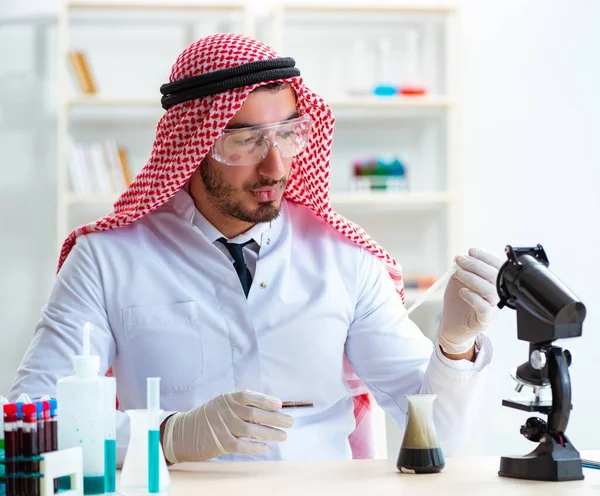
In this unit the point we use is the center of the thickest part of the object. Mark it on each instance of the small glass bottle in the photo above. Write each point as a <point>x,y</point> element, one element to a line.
<point>385,85</point>
<point>361,79</point>
<point>412,83</point>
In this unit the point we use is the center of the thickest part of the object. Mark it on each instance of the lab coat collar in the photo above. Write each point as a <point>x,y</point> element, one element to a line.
<point>184,205</point>
<point>212,233</point>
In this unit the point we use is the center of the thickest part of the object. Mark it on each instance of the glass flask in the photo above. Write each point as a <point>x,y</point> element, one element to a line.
<point>134,474</point>
<point>420,452</point>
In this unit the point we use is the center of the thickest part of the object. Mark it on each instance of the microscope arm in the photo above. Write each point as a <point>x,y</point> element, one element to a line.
<point>558,369</point>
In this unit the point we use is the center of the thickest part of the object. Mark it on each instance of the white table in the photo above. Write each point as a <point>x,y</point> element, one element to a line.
<point>461,476</point>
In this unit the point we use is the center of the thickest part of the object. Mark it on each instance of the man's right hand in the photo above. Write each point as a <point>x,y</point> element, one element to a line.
<point>217,427</point>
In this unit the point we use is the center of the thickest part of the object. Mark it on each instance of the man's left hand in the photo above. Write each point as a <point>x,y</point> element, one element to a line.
<point>470,301</point>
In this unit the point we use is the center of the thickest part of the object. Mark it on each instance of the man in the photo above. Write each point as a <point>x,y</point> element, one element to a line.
<point>224,271</point>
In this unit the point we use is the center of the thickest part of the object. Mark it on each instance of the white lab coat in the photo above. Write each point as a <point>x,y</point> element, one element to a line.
<point>165,301</point>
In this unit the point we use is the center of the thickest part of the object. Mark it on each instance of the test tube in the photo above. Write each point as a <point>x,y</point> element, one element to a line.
<point>47,442</point>
<point>3,401</point>
<point>110,435</point>
<point>52,423</point>
<point>31,466</point>
<point>39,410</point>
<point>10,447</point>
<point>52,428</point>
<point>18,474</point>
<point>153,406</point>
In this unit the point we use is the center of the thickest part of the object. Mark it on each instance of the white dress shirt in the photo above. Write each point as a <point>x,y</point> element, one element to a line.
<point>250,251</point>
<point>166,302</point>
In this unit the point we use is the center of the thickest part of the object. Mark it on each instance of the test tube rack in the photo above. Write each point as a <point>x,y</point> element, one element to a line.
<point>56,464</point>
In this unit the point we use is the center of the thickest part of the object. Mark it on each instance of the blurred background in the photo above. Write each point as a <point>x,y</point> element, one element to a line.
<point>459,124</point>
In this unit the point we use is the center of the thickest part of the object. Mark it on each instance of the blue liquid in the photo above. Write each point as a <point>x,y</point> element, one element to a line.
<point>2,471</point>
<point>384,90</point>
<point>93,485</point>
<point>153,459</point>
<point>110,465</point>
<point>64,483</point>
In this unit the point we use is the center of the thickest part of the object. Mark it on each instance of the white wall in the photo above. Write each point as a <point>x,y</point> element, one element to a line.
<point>531,152</point>
<point>27,191</point>
<point>531,114</point>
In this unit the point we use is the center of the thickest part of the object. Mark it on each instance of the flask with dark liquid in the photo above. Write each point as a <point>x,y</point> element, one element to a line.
<point>420,452</point>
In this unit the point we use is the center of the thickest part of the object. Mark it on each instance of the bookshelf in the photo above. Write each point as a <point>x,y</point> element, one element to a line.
<point>88,118</point>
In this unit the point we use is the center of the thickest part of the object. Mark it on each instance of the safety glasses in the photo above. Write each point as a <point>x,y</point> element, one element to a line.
<point>250,145</point>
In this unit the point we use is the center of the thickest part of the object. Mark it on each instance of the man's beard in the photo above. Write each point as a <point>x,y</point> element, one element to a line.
<point>222,194</point>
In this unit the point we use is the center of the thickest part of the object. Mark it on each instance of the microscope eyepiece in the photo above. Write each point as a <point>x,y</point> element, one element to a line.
<point>546,308</point>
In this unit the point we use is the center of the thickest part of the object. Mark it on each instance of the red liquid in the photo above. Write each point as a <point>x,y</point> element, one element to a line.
<point>412,90</point>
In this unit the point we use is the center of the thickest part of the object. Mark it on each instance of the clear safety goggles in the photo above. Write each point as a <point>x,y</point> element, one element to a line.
<point>250,145</point>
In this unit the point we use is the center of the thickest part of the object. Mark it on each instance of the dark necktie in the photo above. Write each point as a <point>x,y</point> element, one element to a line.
<point>241,268</point>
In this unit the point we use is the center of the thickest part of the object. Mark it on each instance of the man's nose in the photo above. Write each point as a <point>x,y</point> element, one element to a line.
<point>272,165</point>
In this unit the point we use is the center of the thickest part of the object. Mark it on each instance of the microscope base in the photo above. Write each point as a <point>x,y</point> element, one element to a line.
<point>548,462</point>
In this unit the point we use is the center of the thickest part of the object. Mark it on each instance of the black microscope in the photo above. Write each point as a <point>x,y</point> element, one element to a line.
<point>546,310</point>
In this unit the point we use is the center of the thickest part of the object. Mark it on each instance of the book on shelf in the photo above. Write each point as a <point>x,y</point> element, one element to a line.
<point>81,72</point>
<point>97,168</point>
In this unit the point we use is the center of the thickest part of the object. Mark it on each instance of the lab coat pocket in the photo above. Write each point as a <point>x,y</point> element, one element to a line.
<point>166,342</point>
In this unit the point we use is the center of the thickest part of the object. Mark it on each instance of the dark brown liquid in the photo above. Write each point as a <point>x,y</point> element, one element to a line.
<point>30,485</point>
<point>41,437</point>
<point>10,449</point>
<point>52,445</point>
<point>421,461</point>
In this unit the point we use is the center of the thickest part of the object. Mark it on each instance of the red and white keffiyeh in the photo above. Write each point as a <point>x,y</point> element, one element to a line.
<point>186,133</point>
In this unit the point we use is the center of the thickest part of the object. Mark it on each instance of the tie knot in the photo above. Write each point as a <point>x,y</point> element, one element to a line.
<point>235,249</point>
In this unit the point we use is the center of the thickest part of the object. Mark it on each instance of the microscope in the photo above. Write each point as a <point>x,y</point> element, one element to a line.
<point>546,310</point>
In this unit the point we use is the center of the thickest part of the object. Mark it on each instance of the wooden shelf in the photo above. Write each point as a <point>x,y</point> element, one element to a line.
<point>396,199</point>
<point>367,8</point>
<point>367,103</point>
<point>115,108</point>
<point>147,5</point>
<point>96,199</point>
<point>97,109</point>
<point>100,101</point>
<point>337,199</point>
<point>387,103</point>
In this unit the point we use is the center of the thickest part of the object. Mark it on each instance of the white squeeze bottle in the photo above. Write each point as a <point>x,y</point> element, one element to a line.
<point>80,399</point>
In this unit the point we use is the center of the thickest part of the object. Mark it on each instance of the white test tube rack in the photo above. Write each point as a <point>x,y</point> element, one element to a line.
<point>62,463</point>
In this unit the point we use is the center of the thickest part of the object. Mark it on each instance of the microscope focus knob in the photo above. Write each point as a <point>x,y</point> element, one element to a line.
<point>568,357</point>
<point>534,429</point>
<point>537,359</point>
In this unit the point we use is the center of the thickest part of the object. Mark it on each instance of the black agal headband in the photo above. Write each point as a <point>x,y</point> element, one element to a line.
<point>227,79</point>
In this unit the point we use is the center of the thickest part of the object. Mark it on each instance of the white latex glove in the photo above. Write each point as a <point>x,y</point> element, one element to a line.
<point>470,300</point>
<point>217,427</point>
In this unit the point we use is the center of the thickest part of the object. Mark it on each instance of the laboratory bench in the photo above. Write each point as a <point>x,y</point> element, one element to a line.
<point>461,476</point>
